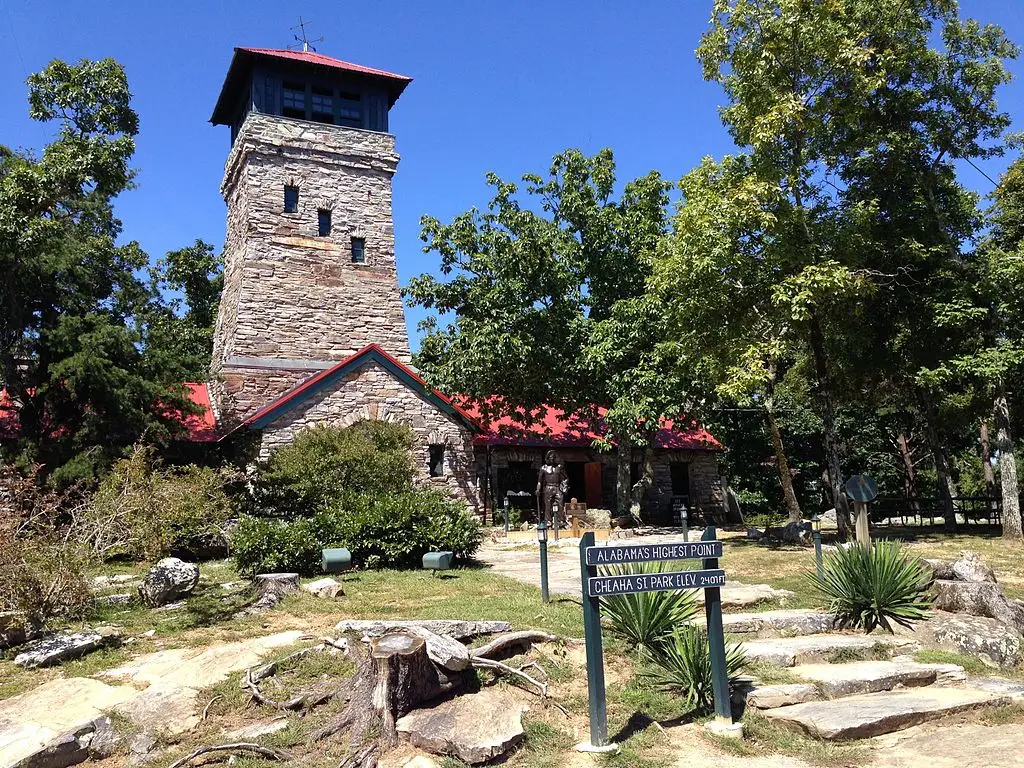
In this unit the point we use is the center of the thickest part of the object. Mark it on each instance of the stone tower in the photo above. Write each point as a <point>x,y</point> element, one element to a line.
<point>309,254</point>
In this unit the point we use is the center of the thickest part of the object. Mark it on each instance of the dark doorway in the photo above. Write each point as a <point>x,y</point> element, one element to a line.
<point>680,472</point>
<point>577,480</point>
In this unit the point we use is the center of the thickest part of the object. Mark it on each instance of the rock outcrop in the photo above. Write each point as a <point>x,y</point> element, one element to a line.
<point>169,580</point>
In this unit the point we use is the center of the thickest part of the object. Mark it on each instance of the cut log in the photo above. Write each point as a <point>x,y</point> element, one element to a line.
<point>511,644</point>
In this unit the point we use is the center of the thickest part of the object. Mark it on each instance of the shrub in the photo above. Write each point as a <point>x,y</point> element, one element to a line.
<point>869,586</point>
<point>323,463</point>
<point>683,664</point>
<point>646,619</point>
<point>143,510</point>
<point>393,530</point>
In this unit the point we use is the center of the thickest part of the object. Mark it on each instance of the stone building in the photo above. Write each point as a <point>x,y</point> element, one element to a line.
<point>311,327</point>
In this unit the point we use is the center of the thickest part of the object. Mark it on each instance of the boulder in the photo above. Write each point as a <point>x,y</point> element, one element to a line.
<point>598,518</point>
<point>790,533</point>
<point>105,739</point>
<point>941,569</point>
<point>829,520</point>
<point>970,567</point>
<point>326,588</point>
<point>443,650</point>
<point>475,728</point>
<point>978,598</point>
<point>169,580</point>
<point>64,647</point>
<point>68,749</point>
<point>993,642</point>
<point>271,588</point>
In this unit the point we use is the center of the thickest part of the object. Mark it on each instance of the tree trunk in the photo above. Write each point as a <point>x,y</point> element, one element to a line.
<point>945,482</point>
<point>833,460</point>
<point>986,459</point>
<point>623,467</point>
<point>1007,469</point>
<point>911,478</point>
<point>785,478</point>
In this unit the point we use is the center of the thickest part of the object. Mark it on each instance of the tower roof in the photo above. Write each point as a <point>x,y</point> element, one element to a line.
<point>244,59</point>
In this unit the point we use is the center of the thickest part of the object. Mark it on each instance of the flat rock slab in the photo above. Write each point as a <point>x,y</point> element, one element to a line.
<point>786,622</point>
<point>785,695</point>
<point>63,647</point>
<point>475,728</point>
<point>171,679</point>
<point>872,676</point>
<point>1000,685</point>
<point>970,745</point>
<point>788,651</point>
<point>460,630</point>
<point>737,595</point>
<point>30,721</point>
<point>873,714</point>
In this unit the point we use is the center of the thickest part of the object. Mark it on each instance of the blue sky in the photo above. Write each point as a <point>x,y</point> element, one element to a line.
<point>497,87</point>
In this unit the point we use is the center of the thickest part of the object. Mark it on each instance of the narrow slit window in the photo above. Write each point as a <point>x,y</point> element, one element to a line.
<point>323,217</point>
<point>291,199</point>
<point>358,250</point>
<point>436,460</point>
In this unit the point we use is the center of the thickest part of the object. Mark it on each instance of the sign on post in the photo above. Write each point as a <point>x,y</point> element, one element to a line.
<point>710,578</point>
<point>862,489</point>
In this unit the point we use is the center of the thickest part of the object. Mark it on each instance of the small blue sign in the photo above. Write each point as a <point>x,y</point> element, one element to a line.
<point>633,583</point>
<point>648,553</point>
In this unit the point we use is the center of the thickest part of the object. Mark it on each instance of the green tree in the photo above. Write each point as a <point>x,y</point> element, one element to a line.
<point>851,116</point>
<point>74,303</point>
<point>543,302</point>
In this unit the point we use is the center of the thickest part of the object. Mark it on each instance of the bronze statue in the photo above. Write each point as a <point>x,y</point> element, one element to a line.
<point>552,483</point>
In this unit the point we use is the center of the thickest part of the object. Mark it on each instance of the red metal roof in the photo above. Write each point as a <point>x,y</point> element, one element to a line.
<point>312,57</point>
<point>555,428</point>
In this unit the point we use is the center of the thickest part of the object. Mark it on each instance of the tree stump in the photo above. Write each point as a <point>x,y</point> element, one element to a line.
<point>392,679</point>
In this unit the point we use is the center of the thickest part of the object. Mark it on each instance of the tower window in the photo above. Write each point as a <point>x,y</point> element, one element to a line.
<point>350,109</point>
<point>291,199</point>
<point>358,250</point>
<point>322,103</point>
<point>435,462</point>
<point>293,100</point>
<point>323,217</point>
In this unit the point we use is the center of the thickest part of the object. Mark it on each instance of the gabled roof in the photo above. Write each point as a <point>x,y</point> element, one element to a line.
<point>373,353</point>
<point>244,58</point>
<point>555,428</point>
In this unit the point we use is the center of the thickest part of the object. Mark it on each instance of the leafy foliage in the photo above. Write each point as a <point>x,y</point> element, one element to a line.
<point>683,663</point>
<point>144,510</point>
<point>646,619</point>
<point>387,530</point>
<point>324,463</point>
<point>871,586</point>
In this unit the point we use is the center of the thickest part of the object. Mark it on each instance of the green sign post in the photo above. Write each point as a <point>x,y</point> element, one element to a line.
<point>710,579</point>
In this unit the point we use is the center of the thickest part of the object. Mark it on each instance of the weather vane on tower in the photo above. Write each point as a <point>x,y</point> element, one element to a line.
<point>307,44</point>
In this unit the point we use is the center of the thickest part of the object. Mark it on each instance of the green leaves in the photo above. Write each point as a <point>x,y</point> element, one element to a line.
<point>870,587</point>
<point>645,620</point>
<point>683,663</point>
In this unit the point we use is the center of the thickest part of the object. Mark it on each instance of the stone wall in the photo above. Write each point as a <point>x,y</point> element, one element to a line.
<point>293,301</point>
<point>371,393</point>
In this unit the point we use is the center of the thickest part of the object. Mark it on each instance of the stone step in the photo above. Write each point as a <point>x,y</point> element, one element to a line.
<point>758,696</point>
<point>873,714</point>
<point>852,678</point>
<point>789,651</point>
<point>1012,688</point>
<point>781,623</point>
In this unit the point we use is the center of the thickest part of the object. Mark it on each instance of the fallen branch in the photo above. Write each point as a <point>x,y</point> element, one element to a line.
<point>511,643</point>
<point>257,695</point>
<point>479,663</point>
<point>206,709</point>
<point>242,746</point>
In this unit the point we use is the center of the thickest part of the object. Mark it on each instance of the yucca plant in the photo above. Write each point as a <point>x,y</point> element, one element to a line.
<point>683,664</point>
<point>646,619</point>
<point>869,587</point>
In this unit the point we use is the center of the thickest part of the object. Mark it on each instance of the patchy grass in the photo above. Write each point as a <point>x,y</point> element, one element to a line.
<point>763,737</point>
<point>971,664</point>
<point>769,674</point>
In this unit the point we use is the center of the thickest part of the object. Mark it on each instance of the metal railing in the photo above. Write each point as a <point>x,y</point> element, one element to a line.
<point>985,510</point>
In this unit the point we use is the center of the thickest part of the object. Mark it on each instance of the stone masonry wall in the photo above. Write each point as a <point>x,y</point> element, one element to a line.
<point>289,294</point>
<point>371,393</point>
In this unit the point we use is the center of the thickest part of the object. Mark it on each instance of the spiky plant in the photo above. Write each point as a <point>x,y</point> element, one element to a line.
<point>646,619</point>
<point>869,587</point>
<point>683,664</point>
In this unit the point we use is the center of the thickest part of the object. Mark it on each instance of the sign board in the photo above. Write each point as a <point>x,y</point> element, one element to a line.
<point>649,553</point>
<point>630,584</point>
<point>861,488</point>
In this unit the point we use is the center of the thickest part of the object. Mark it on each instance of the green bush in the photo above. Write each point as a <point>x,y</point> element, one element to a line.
<point>646,619</point>
<point>869,586</point>
<point>143,510</point>
<point>323,463</point>
<point>683,664</point>
<point>387,531</point>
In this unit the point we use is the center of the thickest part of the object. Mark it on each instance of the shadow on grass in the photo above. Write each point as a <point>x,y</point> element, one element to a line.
<point>641,721</point>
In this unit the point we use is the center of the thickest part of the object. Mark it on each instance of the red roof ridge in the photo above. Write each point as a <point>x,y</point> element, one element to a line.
<point>312,57</point>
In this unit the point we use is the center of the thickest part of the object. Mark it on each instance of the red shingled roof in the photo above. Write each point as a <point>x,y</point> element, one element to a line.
<point>312,57</point>
<point>557,429</point>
